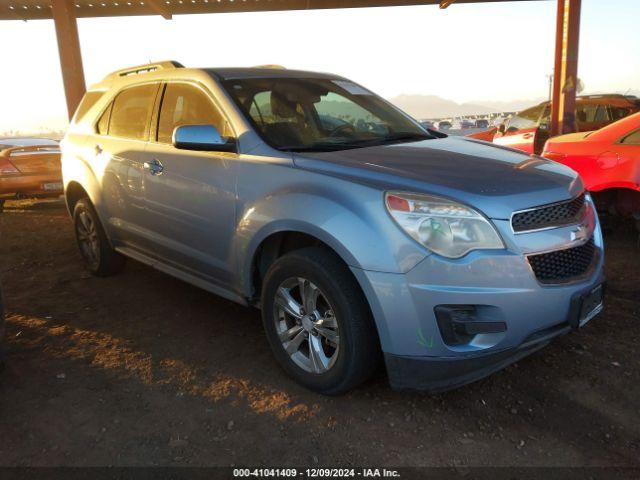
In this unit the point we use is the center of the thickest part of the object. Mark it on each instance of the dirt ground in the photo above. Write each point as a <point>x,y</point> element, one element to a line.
<point>142,369</point>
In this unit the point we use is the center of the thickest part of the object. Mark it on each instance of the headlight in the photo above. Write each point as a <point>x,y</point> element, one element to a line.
<point>443,226</point>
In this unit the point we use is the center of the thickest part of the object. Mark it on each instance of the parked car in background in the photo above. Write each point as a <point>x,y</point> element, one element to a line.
<point>444,125</point>
<point>486,135</point>
<point>428,124</point>
<point>29,168</point>
<point>448,257</point>
<point>608,160</point>
<point>528,130</point>
<point>482,123</point>
<point>26,142</point>
<point>463,124</point>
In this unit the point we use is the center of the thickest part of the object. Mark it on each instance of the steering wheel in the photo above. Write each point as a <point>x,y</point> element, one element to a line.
<point>340,130</point>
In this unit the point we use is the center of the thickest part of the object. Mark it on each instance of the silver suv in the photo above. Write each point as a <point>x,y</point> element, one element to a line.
<point>360,235</point>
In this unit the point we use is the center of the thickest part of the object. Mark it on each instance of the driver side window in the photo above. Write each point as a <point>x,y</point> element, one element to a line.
<point>184,104</point>
<point>260,109</point>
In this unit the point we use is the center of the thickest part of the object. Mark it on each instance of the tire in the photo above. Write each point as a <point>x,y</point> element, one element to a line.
<point>99,256</point>
<point>344,361</point>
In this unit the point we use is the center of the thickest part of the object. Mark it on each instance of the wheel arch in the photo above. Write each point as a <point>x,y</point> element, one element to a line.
<point>623,199</point>
<point>280,242</point>
<point>74,193</point>
<point>280,238</point>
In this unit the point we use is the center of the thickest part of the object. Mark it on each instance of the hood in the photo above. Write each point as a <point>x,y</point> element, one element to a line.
<point>496,180</point>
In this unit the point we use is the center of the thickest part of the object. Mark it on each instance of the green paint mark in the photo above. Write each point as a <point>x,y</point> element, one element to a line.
<point>423,341</point>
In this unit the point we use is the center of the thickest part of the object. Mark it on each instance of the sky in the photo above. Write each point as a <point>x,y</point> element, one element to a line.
<point>466,53</point>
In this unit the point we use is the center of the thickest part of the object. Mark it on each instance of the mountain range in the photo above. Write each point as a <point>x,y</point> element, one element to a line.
<point>432,106</point>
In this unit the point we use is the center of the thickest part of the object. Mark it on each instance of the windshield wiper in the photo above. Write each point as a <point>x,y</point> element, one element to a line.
<point>397,137</point>
<point>409,136</point>
<point>333,147</point>
<point>321,147</point>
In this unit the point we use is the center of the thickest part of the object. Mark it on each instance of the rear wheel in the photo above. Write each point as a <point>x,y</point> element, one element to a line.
<point>98,254</point>
<point>318,323</point>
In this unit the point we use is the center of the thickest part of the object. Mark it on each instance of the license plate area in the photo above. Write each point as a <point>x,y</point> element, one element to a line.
<point>54,186</point>
<point>586,305</point>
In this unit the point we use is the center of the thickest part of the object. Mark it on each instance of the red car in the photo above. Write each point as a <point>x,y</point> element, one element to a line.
<point>608,160</point>
<point>528,130</point>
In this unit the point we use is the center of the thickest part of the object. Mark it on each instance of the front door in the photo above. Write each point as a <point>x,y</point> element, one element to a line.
<point>190,195</point>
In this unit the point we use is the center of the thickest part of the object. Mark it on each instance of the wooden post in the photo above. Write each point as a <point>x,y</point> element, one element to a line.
<point>565,75</point>
<point>69,49</point>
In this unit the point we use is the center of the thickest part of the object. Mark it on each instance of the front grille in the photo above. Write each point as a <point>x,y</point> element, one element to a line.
<point>562,266</point>
<point>557,215</point>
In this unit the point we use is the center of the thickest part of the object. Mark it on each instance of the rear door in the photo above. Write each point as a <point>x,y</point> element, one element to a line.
<point>190,195</point>
<point>521,129</point>
<point>118,146</point>
<point>627,169</point>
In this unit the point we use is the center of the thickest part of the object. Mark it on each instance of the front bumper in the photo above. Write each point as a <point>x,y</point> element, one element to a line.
<point>435,375</point>
<point>503,290</point>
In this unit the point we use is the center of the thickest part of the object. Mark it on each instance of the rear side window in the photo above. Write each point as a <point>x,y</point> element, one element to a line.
<point>632,138</point>
<point>131,112</point>
<point>184,104</point>
<point>88,101</point>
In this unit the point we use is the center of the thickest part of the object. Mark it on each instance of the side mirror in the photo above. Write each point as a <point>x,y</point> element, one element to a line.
<point>205,138</point>
<point>502,128</point>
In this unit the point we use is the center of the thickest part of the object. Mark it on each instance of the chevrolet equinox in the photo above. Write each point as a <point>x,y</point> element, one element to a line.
<point>361,236</point>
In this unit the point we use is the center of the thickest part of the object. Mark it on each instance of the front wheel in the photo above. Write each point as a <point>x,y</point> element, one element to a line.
<point>98,254</point>
<point>318,323</point>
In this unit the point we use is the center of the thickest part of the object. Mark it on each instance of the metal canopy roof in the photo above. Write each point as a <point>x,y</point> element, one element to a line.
<point>42,9</point>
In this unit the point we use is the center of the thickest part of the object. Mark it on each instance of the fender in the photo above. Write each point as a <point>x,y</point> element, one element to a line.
<point>385,247</point>
<point>76,169</point>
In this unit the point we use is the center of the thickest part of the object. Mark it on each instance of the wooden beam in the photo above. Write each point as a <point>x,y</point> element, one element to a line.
<point>69,50</point>
<point>10,11</point>
<point>565,74</point>
<point>160,8</point>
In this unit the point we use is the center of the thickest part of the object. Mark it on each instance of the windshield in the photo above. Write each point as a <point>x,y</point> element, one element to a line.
<point>320,115</point>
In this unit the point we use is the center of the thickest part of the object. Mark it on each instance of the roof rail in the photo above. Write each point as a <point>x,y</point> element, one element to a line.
<point>271,67</point>
<point>146,68</point>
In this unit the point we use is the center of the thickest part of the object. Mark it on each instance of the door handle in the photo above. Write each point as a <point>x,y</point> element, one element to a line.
<point>98,149</point>
<point>154,167</point>
<point>527,135</point>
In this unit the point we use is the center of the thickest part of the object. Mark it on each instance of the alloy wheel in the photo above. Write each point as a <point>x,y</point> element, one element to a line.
<point>306,325</point>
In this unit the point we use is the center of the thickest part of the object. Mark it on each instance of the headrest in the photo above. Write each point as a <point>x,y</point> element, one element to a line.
<point>283,104</point>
